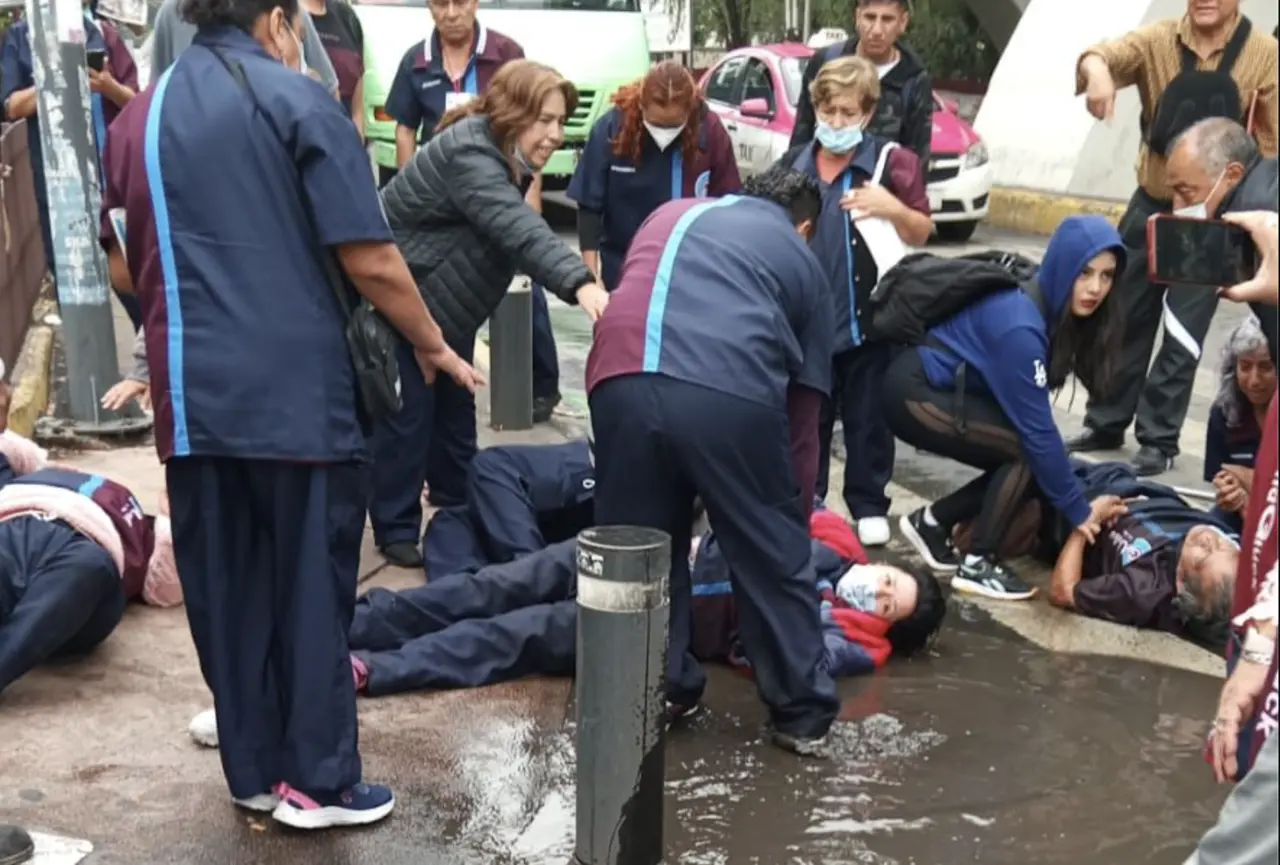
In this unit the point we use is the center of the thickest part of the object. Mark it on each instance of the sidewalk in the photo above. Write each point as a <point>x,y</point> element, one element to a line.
<point>98,747</point>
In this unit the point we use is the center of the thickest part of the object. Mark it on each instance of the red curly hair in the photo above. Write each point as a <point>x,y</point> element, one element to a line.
<point>668,83</point>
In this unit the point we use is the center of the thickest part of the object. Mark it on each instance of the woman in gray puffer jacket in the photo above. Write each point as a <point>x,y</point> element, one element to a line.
<point>461,222</point>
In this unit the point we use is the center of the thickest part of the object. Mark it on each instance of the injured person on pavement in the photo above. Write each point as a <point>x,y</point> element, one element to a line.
<point>74,548</point>
<point>519,619</point>
<point>1158,562</point>
<point>519,499</point>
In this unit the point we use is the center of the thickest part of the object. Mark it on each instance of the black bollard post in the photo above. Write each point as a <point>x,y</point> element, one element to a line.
<point>510,360</point>
<point>623,575</point>
<point>16,845</point>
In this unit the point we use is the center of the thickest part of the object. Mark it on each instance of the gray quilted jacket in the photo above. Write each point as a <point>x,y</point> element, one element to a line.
<point>462,225</point>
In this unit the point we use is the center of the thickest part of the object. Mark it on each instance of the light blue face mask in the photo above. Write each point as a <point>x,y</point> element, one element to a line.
<point>843,140</point>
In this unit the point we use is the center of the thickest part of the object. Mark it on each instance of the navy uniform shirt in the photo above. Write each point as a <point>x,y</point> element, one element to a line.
<point>1230,446</point>
<point>624,192</point>
<point>244,333</point>
<point>723,294</point>
<point>851,272</point>
<point>422,91</point>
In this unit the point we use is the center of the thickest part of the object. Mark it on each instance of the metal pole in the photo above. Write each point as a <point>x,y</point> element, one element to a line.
<point>71,177</point>
<point>805,24</point>
<point>511,360</point>
<point>623,574</point>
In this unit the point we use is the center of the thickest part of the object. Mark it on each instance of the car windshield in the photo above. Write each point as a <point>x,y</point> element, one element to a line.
<point>583,5</point>
<point>793,76</point>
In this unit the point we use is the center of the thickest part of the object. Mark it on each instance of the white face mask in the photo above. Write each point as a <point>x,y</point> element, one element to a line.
<point>858,586</point>
<point>302,54</point>
<point>663,136</point>
<point>1201,210</point>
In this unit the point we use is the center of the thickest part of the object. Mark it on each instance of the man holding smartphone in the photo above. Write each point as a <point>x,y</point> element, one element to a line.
<point>1220,152</point>
<point>1210,62</point>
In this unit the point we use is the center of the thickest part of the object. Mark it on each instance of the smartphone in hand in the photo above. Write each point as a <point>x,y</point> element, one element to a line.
<point>96,59</point>
<point>1208,252</point>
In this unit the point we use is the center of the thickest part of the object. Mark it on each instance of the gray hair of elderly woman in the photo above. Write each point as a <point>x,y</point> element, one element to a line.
<point>1247,338</point>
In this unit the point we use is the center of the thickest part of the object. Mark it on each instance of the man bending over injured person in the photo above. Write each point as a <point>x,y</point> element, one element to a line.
<point>74,548</point>
<point>520,619</point>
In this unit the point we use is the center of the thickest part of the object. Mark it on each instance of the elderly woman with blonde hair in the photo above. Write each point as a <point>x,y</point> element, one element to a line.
<point>873,203</point>
<point>1247,387</point>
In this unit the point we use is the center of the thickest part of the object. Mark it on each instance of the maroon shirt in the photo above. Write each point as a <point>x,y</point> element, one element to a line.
<point>136,529</point>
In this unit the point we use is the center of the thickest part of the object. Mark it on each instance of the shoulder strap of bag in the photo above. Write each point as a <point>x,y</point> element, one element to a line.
<point>881,161</point>
<point>331,272</point>
<point>1231,53</point>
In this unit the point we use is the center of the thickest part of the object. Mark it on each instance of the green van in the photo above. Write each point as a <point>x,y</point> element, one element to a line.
<point>599,45</point>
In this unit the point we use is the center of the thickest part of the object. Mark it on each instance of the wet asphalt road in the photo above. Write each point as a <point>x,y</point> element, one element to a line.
<point>989,751</point>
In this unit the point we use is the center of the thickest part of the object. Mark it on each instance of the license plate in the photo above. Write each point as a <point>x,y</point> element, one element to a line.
<point>935,202</point>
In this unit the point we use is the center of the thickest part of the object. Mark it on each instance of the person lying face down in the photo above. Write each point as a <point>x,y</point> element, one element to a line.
<point>519,618</point>
<point>74,548</point>
<point>1157,563</point>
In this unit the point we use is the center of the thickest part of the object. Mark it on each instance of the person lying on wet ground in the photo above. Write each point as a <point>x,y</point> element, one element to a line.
<point>520,619</point>
<point>74,548</point>
<point>1158,562</point>
<point>519,499</point>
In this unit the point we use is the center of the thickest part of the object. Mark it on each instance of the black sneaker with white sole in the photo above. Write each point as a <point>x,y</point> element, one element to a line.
<point>933,543</point>
<point>982,576</point>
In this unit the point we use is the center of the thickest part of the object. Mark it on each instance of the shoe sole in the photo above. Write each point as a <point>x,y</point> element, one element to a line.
<point>26,854</point>
<point>969,587</point>
<point>265,806</point>
<point>688,714</point>
<point>330,818</point>
<point>913,537</point>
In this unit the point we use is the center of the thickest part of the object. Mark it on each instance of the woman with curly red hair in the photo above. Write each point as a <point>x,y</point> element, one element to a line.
<point>659,142</point>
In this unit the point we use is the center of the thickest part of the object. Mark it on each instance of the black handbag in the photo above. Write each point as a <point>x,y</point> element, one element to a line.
<point>371,340</point>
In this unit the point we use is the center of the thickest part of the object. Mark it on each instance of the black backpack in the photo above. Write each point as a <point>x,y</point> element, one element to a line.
<point>1193,95</point>
<point>924,290</point>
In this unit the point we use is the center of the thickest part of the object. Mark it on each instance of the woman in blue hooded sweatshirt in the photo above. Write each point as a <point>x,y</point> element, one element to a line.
<point>979,391</point>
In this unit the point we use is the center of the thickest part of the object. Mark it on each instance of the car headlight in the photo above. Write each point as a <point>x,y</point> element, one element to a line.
<point>976,155</point>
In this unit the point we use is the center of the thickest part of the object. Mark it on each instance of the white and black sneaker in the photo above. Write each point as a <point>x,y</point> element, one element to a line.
<point>932,542</point>
<point>979,575</point>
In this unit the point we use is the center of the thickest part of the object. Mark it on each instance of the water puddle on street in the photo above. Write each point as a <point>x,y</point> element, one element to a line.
<point>992,751</point>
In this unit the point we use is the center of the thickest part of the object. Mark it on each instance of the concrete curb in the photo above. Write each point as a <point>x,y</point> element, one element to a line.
<point>1030,211</point>
<point>31,373</point>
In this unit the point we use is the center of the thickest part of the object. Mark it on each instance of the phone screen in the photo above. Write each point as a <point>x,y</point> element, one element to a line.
<point>97,60</point>
<point>1199,252</point>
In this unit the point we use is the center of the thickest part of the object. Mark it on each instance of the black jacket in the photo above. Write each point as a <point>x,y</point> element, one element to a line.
<point>905,112</point>
<point>1259,191</point>
<point>461,223</point>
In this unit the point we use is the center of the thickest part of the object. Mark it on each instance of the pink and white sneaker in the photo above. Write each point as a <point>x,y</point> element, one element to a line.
<point>362,805</point>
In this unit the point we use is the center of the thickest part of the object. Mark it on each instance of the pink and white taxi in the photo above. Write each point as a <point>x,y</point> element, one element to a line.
<point>755,91</point>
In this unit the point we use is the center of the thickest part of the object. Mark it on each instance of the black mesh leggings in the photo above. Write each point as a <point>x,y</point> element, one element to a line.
<point>925,417</point>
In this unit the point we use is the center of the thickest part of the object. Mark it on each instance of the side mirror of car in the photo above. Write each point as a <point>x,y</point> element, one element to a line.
<point>755,108</point>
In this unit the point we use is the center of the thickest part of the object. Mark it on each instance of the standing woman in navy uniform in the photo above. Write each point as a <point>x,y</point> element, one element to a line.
<point>239,177</point>
<point>863,179</point>
<point>112,87</point>
<point>659,142</point>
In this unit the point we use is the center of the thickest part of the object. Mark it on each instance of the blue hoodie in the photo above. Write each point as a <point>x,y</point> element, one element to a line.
<point>1004,340</point>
